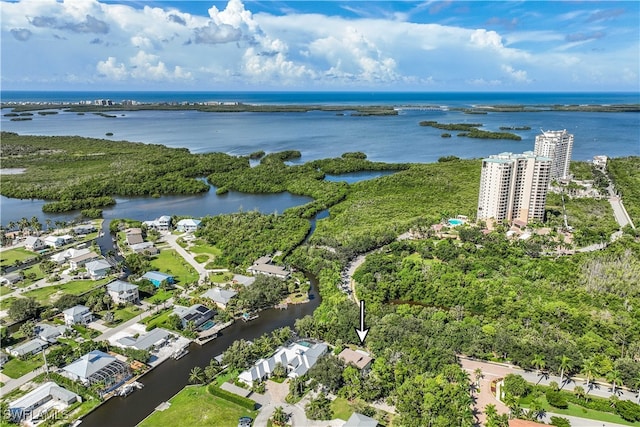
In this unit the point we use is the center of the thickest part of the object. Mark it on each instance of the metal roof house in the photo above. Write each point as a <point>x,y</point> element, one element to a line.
<point>157,277</point>
<point>98,269</point>
<point>264,265</point>
<point>188,225</point>
<point>297,359</point>
<point>30,347</point>
<point>122,292</point>
<point>359,420</point>
<point>39,400</point>
<point>50,333</point>
<point>220,296</point>
<point>77,314</point>
<point>153,339</point>
<point>97,366</point>
<point>197,313</point>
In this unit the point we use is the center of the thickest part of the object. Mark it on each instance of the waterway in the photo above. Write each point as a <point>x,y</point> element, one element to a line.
<point>171,376</point>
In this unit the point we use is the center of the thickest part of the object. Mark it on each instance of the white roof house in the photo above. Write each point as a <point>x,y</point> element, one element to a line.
<point>30,347</point>
<point>77,314</point>
<point>359,420</point>
<point>82,258</point>
<point>97,366</point>
<point>153,339</point>
<point>297,359</point>
<point>123,292</point>
<point>34,243</point>
<point>188,225</point>
<point>39,401</point>
<point>161,224</point>
<point>98,269</point>
<point>54,241</point>
<point>263,265</point>
<point>220,296</point>
<point>50,333</point>
<point>70,253</point>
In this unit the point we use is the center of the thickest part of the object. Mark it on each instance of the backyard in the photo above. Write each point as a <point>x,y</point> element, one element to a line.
<point>195,406</point>
<point>76,287</point>
<point>170,262</point>
<point>9,257</point>
<point>15,368</point>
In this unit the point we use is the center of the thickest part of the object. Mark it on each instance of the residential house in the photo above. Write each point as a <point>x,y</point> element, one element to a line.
<point>58,241</point>
<point>160,224</point>
<point>188,225</point>
<point>359,420</point>
<point>243,280</point>
<point>84,229</point>
<point>152,340</point>
<point>4,358</point>
<point>77,315</point>
<point>157,278</point>
<point>220,296</point>
<point>264,265</point>
<point>50,333</point>
<point>81,260</point>
<point>197,313</point>
<point>297,359</point>
<point>12,278</point>
<point>122,292</point>
<point>98,269</point>
<point>39,401</point>
<point>146,248</point>
<point>35,244</point>
<point>69,254</point>
<point>98,367</point>
<point>28,348</point>
<point>358,358</point>
<point>134,236</point>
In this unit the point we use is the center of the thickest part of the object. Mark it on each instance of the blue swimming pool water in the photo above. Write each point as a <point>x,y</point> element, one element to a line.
<point>454,221</point>
<point>207,325</point>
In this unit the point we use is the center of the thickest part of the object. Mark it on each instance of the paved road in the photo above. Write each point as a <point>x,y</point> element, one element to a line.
<point>171,239</point>
<point>106,335</point>
<point>15,383</point>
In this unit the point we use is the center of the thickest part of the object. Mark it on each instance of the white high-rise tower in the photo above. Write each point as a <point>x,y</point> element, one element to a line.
<point>514,187</point>
<point>557,145</point>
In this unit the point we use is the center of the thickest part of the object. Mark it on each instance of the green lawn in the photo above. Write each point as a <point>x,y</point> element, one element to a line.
<point>9,257</point>
<point>202,248</point>
<point>5,303</point>
<point>170,262</point>
<point>121,315</point>
<point>194,406</point>
<point>86,333</point>
<point>157,319</point>
<point>15,368</point>
<point>31,275</point>
<point>160,296</point>
<point>201,258</point>
<point>341,408</point>
<point>76,287</point>
<point>220,277</point>
<point>578,411</point>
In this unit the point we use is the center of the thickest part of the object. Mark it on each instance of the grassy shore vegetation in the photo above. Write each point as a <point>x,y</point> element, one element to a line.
<point>471,130</point>
<point>196,406</point>
<point>625,173</point>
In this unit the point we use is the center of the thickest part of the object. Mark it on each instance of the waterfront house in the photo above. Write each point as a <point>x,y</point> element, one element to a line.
<point>359,420</point>
<point>55,241</point>
<point>122,292</point>
<point>188,225</point>
<point>146,248</point>
<point>28,348</point>
<point>197,313</point>
<point>243,280</point>
<point>220,296</point>
<point>152,340</point>
<point>69,254</point>
<point>297,359</point>
<point>50,333</point>
<point>265,266</point>
<point>81,258</point>
<point>133,236</point>
<point>157,278</point>
<point>84,229</point>
<point>35,244</point>
<point>77,315</point>
<point>160,224</point>
<point>358,358</point>
<point>49,396</point>
<point>98,269</point>
<point>98,367</point>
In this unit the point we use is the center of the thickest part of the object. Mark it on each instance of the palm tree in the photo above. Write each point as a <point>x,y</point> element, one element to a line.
<point>565,364</point>
<point>48,222</point>
<point>538,362</point>
<point>478,376</point>
<point>614,378</point>
<point>579,392</point>
<point>590,368</point>
<point>279,417</point>
<point>196,375</point>
<point>490,411</point>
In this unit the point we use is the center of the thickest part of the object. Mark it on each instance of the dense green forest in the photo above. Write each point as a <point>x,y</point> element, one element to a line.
<point>625,173</point>
<point>78,172</point>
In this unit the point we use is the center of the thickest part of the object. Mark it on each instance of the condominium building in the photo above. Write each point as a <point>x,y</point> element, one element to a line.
<point>557,145</point>
<point>514,187</point>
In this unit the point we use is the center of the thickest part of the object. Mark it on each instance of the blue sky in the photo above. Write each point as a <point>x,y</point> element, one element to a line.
<point>321,45</point>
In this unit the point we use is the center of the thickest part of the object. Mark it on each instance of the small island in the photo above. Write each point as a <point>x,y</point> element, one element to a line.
<point>470,130</point>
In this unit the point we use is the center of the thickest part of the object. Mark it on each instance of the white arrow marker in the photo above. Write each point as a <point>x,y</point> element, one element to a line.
<point>362,332</point>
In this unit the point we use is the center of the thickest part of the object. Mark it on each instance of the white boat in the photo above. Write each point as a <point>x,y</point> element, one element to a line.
<point>180,353</point>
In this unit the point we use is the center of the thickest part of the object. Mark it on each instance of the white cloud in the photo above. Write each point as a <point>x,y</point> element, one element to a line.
<point>516,75</point>
<point>112,70</point>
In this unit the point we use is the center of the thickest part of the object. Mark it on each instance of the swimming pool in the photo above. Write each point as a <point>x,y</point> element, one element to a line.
<point>454,221</point>
<point>207,325</point>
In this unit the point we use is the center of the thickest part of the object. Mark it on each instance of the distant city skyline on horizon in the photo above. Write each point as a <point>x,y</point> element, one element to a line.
<point>314,46</point>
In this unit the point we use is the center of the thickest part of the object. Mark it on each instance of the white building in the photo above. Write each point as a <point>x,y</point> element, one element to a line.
<point>160,224</point>
<point>600,162</point>
<point>78,314</point>
<point>297,359</point>
<point>98,367</point>
<point>49,396</point>
<point>98,269</point>
<point>514,187</point>
<point>188,225</point>
<point>556,145</point>
<point>32,243</point>
<point>122,292</point>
